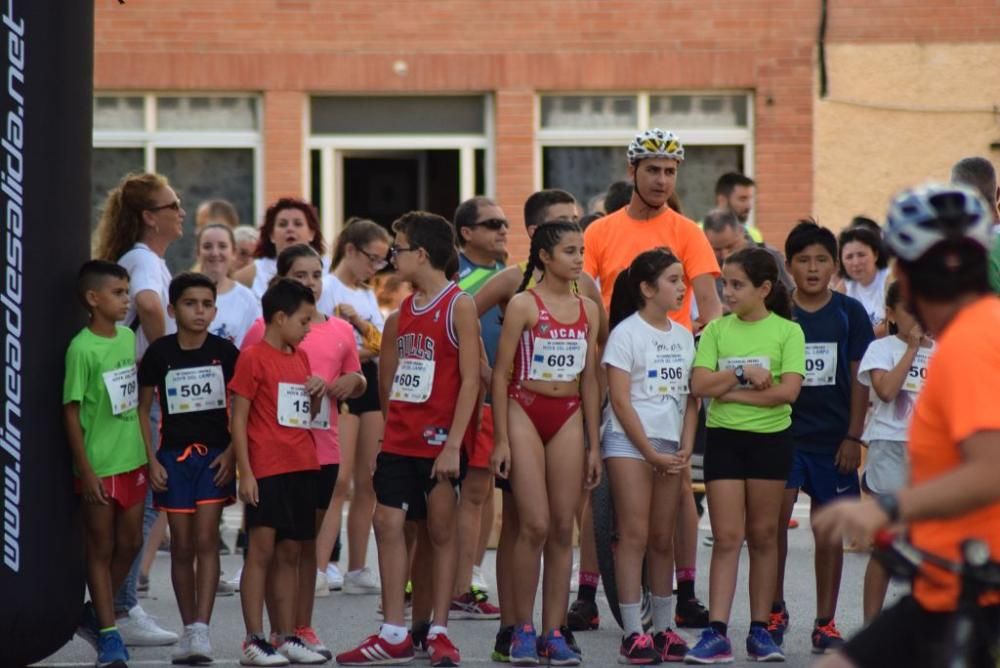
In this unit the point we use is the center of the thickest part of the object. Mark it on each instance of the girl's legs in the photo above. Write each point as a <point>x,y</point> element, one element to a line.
<point>206,541</point>
<point>763,506</point>
<point>667,499</point>
<point>359,517</point>
<point>476,489</point>
<point>784,515</point>
<point>564,463</point>
<point>727,512</point>
<point>632,490</point>
<point>182,571</point>
<point>326,538</point>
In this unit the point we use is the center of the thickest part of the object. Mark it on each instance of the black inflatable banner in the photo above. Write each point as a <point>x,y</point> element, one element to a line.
<point>45,137</point>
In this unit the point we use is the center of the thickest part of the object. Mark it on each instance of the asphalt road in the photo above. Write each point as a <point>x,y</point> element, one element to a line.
<point>342,620</point>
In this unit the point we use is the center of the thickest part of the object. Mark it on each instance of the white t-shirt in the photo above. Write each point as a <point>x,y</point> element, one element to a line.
<point>147,271</point>
<point>267,267</point>
<point>237,310</point>
<point>888,421</point>
<point>659,364</point>
<point>871,296</point>
<point>362,300</point>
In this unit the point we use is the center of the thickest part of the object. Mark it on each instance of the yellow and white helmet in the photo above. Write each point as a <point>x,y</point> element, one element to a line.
<point>655,143</point>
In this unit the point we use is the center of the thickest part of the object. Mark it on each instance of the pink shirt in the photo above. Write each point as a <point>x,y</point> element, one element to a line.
<point>332,353</point>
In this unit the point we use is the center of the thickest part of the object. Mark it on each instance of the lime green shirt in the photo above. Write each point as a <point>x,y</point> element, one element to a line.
<point>101,377</point>
<point>773,343</point>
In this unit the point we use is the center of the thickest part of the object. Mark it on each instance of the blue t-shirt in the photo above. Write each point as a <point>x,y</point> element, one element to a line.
<point>836,335</point>
<point>471,277</point>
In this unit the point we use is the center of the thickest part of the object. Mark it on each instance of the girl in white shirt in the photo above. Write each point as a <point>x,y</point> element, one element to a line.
<point>894,367</point>
<point>236,305</point>
<point>647,439</point>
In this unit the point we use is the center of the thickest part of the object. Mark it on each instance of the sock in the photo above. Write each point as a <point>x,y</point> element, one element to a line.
<point>754,625</point>
<point>685,584</point>
<point>393,634</point>
<point>631,618</point>
<point>823,621</point>
<point>720,627</point>
<point>436,631</point>
<point>662,611</point>
<point>588,586</point>
<point>110,629</point>
<point>777,607</point>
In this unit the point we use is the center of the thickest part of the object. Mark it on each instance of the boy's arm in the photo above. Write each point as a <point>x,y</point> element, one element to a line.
<point>157,474</point>
<point>238,429</point>
<point>93,489</point>
<point>498,290</point>
<point>388,359</point>
<point>466,323</point>
<point>849,453</point>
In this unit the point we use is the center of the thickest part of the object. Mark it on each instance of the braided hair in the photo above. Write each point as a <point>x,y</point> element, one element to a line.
<point>546,237</point>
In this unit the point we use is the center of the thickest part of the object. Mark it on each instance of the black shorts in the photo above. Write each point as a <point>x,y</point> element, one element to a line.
<point>907,635</point>
<point>404,482</point>
<point>368,401</point>
<point>745,455</point>
<point>503,484</point>
<point>287,505</point>
<point>326,480</point>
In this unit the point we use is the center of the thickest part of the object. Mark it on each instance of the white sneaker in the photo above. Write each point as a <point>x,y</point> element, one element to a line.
<point>201,645</point>
<point>296,651</point>
<point>225,588</point>
<point>140,630</point>
<point>574,578</point>
<point>182,652</point>
<point>259,652</point>
<point>322,586</point>
<point>479,582</point>
<point>235,581</point>
<point>363,581</point>
<point>334,577</point>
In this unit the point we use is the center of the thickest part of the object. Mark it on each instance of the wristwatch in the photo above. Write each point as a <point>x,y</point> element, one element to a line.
<point>889,503</point>
<point>740,376</point>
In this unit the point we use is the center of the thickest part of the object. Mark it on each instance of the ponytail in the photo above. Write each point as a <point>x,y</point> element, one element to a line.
<point>546,237</point>
<point>121,225</point>
<point>778,301</point>
<point>759,266</point>
<point>627,297</point>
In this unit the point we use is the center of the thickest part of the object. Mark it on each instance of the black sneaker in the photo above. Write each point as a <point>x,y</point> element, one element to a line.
<point>571,640</point>
<point>690,614</point>
<point>501,648</point>
<point>419,634</point>
<point>638,650</point>
<point>584,616</point>
<point>669,646</point>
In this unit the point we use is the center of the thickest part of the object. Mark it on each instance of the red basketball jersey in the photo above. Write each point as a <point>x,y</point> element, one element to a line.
<point>427,379</point>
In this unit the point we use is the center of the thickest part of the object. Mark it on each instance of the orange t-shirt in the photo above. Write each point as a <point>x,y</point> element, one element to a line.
<point>611,243</point>
<point>958,400</point>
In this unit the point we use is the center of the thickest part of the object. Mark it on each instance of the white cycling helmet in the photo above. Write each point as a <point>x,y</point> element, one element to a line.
<point>655,143</point>
<point>920,218</point>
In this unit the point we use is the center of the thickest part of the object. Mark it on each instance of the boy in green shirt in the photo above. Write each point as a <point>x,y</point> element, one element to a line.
<point>100,396</point>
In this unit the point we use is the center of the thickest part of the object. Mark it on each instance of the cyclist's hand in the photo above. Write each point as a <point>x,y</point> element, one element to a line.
<point>848,456</point>
<point>854,520</point>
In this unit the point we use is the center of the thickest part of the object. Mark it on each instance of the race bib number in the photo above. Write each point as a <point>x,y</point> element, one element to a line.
<point>821,364</point>
<point>667,373</point>
<point>294,406</point>
<point>557,359</point>
<point>413,381</point>
<point>123,388</point>
<point>322,419</point>
<point>918,372</point>
<point>196,389</point>
<point>733,362</point>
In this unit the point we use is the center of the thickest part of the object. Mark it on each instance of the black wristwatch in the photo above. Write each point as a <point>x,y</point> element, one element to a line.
<point>740,376</point>
<point>889,503</point>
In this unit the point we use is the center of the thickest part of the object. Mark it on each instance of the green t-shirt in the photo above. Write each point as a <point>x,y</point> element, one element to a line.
<point>101,377</point>
<point>773,343</point>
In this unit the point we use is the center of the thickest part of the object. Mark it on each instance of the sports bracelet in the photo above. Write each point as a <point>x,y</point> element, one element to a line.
<point>855,439</point>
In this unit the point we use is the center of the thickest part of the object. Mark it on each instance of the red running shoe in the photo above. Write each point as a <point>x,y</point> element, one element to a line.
<point>376,651</point>
<point>442,652</point>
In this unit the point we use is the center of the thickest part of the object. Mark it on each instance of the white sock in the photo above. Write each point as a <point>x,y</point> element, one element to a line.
<point>437,631</point>
<point>631,617</point>
<point>662,611</point>
<point>393,634</point>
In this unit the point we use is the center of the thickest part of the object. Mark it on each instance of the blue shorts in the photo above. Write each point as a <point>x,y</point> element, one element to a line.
<point>817,475</point>
<point>190,480</point>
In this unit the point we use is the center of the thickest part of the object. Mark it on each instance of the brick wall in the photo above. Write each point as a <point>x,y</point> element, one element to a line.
<point>515,48</point>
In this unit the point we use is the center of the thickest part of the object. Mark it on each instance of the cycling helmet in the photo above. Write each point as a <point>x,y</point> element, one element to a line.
<point>655,143</point>
<point>920,218</point>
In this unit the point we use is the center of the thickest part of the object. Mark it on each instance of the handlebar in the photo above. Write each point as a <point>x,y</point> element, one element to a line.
<point>903,559</point>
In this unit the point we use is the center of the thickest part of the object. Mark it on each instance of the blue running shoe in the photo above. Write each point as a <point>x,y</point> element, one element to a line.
<point>523,646</point>
<point>712,647</point>
<point>553,649</point>
<point>88,628</point>
<point>761,647</point>
<point>111,652</point>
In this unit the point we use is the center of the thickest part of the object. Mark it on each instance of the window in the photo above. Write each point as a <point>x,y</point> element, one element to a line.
<point>208,146</point>
<point>582,140</point>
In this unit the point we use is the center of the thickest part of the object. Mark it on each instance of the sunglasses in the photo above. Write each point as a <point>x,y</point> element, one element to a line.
<point>175,205</point>
<point>494,224</point>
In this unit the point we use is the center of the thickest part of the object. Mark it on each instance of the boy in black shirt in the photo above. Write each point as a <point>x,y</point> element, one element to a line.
<point>192,471</point>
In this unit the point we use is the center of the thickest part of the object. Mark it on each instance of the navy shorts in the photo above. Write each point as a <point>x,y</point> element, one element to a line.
<point>190,480</point>
<point>816,475</point>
